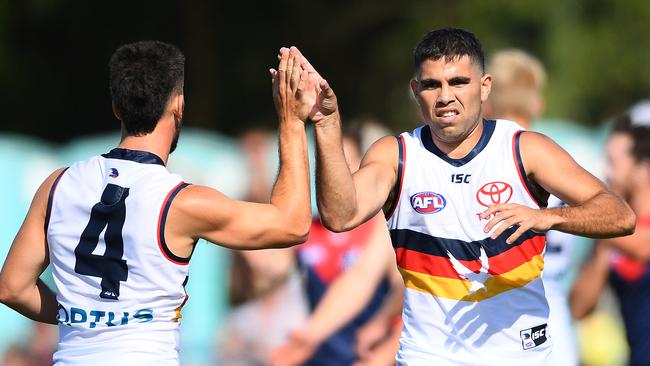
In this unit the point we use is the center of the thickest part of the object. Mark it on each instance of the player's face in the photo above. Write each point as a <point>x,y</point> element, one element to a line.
<point>620,163</point>
<point>450,94</point>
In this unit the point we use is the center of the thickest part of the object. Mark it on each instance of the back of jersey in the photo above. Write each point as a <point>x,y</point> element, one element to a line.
<point>119,288</point>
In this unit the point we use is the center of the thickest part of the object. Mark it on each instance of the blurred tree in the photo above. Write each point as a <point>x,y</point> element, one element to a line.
<point>53,55</point>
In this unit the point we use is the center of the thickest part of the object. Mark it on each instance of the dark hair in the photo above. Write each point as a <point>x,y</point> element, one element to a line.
<point>622,124</point>
<point>640,135</point>
<point>142,78</point>
<point>450,43</point>
<point>641,142</point>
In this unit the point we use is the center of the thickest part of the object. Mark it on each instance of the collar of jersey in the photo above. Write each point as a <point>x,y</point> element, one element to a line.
<point>427,141</point>
<point>143,157</point>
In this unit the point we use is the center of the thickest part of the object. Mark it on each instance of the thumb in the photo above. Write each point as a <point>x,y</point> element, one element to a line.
<point>325,87</point>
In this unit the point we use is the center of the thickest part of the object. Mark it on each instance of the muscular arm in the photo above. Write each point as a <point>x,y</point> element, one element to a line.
<point>344,200</point>
<point>590,283</point>
<point>20,286</point>
<point>594,211</point>
<point>201,212</point>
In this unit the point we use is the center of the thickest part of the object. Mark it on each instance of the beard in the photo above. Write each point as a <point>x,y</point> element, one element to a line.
<point>179,124</point>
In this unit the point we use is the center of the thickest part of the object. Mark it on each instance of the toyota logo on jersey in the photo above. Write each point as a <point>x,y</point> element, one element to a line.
<point>494,193</point>
<point>428,202</point>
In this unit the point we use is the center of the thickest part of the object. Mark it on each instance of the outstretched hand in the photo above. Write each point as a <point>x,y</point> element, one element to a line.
<point>291,92</point>
<point>316,94</point>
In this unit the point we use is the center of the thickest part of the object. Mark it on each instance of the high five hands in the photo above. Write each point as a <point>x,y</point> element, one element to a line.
<point>299,91</point>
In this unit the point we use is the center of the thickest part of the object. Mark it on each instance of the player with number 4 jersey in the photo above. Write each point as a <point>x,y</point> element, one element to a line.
<point>105,288</point>
<point>119,229</point>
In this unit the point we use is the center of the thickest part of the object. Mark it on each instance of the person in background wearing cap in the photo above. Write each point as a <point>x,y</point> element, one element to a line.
<point>625,261</point>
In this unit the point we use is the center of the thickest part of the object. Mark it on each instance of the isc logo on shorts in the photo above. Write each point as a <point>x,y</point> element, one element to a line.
<point>533,337</point>
<point>428,202</point>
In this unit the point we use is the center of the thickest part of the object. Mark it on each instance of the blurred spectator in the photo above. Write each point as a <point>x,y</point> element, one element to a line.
<point>625,261</point>
<point>35,350</point>
<point>347,282</point>
<point>517,95</point>
<point>265,287</point>
<point>264,283</point>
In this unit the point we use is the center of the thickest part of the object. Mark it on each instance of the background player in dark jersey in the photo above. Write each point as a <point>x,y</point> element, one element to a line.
<point>624,261</point>
<point>350,279</point>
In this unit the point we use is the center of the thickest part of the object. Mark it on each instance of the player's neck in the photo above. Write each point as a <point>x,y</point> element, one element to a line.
<point>157,142</point>
<point>460,149</point>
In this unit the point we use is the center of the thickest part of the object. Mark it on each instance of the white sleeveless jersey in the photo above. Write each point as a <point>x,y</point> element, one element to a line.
<point>469,299</point>
<point>119,288</point>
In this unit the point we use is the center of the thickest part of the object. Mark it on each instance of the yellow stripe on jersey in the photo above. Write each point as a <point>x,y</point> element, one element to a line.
<point>458,289</point>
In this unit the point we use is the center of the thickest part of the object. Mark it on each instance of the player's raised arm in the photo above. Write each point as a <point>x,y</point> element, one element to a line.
<point>594,211</point>
<point>285,221</point>
<point>20,286</point>
<point>345,200</point>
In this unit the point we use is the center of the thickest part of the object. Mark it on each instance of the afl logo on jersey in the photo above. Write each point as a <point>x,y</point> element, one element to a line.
<point>113,173</point>
<point>428,202</point>
<point>494,193</point>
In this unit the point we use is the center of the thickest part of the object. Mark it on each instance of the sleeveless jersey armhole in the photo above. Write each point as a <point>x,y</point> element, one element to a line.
<point>162,219</point>
<point>50,198</point>
<point>537,193</point>
<point>397,189</point>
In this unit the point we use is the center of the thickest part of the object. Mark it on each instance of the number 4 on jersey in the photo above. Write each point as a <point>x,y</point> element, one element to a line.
<point>109,213</point>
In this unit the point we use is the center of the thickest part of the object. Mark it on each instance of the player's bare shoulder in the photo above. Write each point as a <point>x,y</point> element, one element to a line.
<point>537,149</point>
<point>384,151</point>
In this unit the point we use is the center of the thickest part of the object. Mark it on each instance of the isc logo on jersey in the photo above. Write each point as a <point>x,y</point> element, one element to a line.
<point>428,202</point>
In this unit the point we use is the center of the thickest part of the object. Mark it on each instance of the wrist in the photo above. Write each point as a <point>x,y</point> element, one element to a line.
<point>328,122</point>
<point>555,217</point>
<point>293,123</point>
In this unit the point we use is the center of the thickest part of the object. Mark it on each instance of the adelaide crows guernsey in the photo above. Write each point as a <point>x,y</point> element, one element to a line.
<point>119,288</point>
<point>469,299</point>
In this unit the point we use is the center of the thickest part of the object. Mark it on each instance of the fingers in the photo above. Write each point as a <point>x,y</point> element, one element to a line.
<point>497,217</point>
<point>296,71</point>
<point>282,70</point>
<point>519,232</point>
<point>274,77</point>
<point>505,225</point>
<point>301,83</point>
<point>491,211</point>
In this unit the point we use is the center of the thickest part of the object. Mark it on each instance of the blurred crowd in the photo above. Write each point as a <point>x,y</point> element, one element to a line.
<point>336,299</point>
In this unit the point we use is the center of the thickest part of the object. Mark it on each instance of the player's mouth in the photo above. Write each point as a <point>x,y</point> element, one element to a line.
<point>447,115</point>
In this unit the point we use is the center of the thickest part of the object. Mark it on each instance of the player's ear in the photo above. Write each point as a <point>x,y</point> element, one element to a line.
<point>486,86</point>
<point>415,88</point>
<point>116,111</point>
<point>178,105</point>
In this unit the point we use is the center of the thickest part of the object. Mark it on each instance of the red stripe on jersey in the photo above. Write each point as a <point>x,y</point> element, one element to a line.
<point>401,180</point>
<point>442,266</point>
<point>519,165</point>
<point>160,229</point>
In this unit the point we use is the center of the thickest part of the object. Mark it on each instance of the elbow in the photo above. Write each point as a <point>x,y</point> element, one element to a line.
<point>8,296</point>
<point>629,223</point>
<point>579,308</point>
<point>336,221</point>
<point>296,234</point>
<point>334,224</point>
<point>581,312</point>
